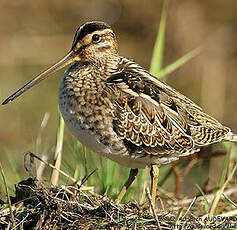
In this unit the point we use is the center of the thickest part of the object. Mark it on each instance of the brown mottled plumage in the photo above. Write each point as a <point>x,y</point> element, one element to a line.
<point>119,110</point>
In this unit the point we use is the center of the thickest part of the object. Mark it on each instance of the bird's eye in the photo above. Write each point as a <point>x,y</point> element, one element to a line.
<point>96,37</point>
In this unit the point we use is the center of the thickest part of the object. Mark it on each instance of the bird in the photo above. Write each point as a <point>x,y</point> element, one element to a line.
<point>119,110</point>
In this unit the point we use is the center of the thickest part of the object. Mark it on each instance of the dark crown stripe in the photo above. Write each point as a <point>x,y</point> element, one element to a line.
<point>88,28</point>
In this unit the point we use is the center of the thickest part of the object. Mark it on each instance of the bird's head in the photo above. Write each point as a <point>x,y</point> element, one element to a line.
<point>94,42</point>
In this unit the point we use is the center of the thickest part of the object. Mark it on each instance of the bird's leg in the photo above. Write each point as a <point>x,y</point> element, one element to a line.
<point>154,181</point>
<point>131,178</point>
<point>178,181</point>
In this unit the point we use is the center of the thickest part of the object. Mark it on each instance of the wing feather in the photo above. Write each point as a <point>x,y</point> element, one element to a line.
<point>155,118</point>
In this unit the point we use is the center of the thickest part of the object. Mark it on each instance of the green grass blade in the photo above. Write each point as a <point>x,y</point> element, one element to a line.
<point>219,193</point>
<point>14,166</point>
<point>225,163</point>
<point>110,168</point>
<point>158,51</point>
<point>60,134</point>
<point>207,204</point>
<point>178,63</point>
<point>223,183</point>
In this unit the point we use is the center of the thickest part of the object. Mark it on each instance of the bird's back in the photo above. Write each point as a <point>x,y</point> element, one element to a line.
<point>154,119</point>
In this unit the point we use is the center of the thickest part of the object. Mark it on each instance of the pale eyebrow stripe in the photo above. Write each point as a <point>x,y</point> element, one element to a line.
<point>100,32</point>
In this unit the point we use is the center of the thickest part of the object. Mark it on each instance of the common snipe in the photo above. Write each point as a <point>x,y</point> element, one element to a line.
<point>117,109</point>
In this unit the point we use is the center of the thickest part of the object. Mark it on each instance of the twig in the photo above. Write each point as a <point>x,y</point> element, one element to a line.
<point>152,207</point>
<point>58,151</point>
<point>230,213</point>
<point>42,127</point>
<point>209,197</point>
<point>162,204</point>
<point>189,207</point>
<point>40,167</point>
<point>86,177</point>
<point>231,201</point>
<point>22,221</point>
<point>53,167</point>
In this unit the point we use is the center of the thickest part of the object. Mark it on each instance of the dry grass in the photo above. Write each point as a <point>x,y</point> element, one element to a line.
<point>36,206</point>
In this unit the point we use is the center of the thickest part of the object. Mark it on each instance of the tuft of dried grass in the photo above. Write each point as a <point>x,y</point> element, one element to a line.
<point>36,206</point>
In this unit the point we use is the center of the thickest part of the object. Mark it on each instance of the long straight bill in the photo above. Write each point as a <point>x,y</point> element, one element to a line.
<point>67,60</point>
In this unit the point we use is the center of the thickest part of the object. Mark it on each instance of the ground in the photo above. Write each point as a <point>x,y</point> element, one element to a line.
<point>36,206</point>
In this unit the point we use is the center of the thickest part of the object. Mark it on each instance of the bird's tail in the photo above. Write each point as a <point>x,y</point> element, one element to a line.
<point>231,137</point>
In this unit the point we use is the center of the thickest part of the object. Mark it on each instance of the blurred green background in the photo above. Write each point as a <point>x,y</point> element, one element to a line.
<point>35,34</point>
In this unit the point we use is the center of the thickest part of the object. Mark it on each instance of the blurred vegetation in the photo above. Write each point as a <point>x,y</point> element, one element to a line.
<point>36,34</point>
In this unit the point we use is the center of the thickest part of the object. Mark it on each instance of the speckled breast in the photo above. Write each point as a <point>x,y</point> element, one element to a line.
<point>88,115</point>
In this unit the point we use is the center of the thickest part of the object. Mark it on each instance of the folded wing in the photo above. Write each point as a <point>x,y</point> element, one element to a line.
<point>153,118</point>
